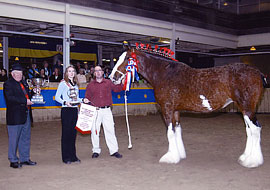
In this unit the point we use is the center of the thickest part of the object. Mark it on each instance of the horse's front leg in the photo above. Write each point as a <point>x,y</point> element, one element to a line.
<point>176,150</point>
<point>173,155</point>
<point>179,141</point>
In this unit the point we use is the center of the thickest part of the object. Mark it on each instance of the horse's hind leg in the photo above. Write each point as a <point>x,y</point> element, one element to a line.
<point>252,156</point>
<point>176,150</point>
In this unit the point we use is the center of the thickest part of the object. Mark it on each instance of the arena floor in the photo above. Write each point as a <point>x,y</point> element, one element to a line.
<point>213,144</point>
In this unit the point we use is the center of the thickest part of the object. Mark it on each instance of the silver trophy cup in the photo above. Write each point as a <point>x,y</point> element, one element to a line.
<point>73,96</point>
<point>37,84</point>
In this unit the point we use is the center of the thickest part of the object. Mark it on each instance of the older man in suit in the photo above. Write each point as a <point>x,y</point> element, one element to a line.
<point>17,97</point>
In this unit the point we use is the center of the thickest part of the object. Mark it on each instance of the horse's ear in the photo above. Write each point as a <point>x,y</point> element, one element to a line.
<point>126,45</point>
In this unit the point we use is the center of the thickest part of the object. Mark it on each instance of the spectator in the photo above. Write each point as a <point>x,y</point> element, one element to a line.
<point>78,66</point>
<point>42,74</point>
<point>86,68</point>
<point>56,76</point>
<point>107,73</point>
<point>3,75</point>
<point>33,71</point>
<point>92,71</point>
<point>81,76</point>
<point>47,70</point>
<point>58,65</point>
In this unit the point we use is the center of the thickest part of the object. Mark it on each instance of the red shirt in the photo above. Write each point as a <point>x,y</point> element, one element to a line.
<point>100,94</point>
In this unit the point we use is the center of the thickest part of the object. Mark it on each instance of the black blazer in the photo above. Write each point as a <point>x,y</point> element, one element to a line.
<point>16,102</point>
<point>52,78</point>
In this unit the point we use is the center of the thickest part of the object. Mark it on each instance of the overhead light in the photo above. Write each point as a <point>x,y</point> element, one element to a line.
<point>114,59</point>
<point>1,51</point>
<point>17,59</point>
<point>252,48</point>
<point>165,42</point>
<point>225,4</point>
<point>1,45</point>
<point>85,62</point>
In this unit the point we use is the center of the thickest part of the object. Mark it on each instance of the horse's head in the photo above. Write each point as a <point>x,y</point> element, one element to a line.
<point>128,58</point>
<point>119,71</point>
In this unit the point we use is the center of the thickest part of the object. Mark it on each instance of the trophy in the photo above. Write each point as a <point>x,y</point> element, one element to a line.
<point>73,95</point>
<point>36,84</point>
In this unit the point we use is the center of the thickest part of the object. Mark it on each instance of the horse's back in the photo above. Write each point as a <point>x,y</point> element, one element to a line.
<point>206,90</point>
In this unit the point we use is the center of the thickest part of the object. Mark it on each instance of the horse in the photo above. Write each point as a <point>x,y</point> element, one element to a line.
<point>178,87</point>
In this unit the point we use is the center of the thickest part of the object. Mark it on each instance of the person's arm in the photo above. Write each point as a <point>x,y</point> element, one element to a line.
<point>87,95</point>
<point>116,87</point>
<point>59,92</point>
<point>11,95</point>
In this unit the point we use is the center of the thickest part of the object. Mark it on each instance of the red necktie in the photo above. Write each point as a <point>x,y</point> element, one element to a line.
<point>25,93</point>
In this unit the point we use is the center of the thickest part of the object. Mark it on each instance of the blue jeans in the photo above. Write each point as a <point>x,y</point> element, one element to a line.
<point>19,139</point>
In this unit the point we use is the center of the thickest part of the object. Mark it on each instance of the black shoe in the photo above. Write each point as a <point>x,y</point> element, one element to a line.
<point>28,163</point>
<point>67,162</point>
<point>117,155</point>
<point>95,155</point>
<point>77,161</point>
<point>15,165</point>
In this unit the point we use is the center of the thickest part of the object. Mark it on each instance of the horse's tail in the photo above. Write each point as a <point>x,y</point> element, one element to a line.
<point>264,80</point>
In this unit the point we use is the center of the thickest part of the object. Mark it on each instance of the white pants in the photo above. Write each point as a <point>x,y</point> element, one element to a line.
<point>104,117</point>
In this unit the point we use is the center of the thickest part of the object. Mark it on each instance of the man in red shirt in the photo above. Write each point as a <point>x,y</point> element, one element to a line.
<point>99,94</point>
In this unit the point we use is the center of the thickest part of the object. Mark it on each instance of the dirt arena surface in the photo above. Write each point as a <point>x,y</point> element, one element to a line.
<point>213,145</point>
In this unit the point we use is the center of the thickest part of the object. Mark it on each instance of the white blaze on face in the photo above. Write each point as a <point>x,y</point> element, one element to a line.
<point>119,62</point>
<point>205,102</point>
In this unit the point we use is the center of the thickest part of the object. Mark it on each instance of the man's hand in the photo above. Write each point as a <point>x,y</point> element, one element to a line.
<point>68,104</point>
<point>29,103</point>
<point>86,101</point>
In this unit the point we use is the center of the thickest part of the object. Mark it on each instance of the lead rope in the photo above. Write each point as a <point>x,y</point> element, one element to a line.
<point>131,75</point>
<point>129,136</point>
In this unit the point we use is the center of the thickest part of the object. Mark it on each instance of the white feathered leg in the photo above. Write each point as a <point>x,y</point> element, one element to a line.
<point>173,155</point>
<point>252,156</point>
<point>248,144</point>
<point>179,141</point>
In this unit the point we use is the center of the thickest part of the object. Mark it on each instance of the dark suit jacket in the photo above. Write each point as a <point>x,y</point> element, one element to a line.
<point>17,110</point>
<point>52,78</point>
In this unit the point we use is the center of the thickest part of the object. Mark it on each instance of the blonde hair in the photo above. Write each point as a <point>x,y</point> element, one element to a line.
<point>75,76</point>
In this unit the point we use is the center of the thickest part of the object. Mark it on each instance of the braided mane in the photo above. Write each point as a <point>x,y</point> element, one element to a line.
<point>162,51</point>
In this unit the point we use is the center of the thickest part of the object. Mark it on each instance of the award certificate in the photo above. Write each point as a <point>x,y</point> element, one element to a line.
<point>86,119</point>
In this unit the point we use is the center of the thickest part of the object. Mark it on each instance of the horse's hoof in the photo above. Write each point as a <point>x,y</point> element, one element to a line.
<point>169,158</point>
<point>242,158</point>
<point>250,165</point>
<point>248,162</point>
<point>183,156</point>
